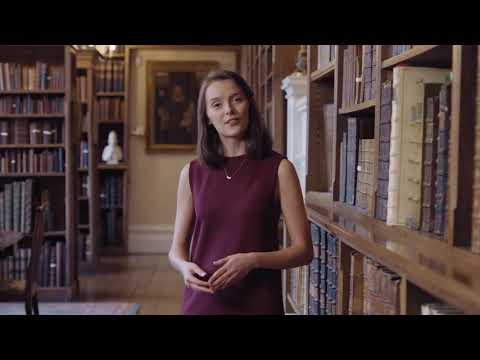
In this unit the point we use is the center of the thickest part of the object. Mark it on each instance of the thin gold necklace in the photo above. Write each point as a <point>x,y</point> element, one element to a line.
<point>228,177</point>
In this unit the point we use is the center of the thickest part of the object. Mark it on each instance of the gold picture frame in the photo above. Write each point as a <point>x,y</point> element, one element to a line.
<point>172,94</point>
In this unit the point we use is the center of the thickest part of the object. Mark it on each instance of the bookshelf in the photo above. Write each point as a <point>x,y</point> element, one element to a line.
<point>111,101</point>
<point>429,267</point>
<point>87,179</point>
<point>38,110</point>
<point>266,66</point>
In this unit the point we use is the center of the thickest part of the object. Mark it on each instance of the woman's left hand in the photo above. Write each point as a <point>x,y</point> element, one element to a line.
<point>233,269</point>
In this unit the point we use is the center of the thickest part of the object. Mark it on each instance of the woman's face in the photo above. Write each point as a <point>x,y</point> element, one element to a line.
<point>227,108</point>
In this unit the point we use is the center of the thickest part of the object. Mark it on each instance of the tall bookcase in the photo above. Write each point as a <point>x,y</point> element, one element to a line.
<point>425,267</point>
<point>111,114</point>
<point>38,110</point>
<point>87,179</point>
<point>266,66</point>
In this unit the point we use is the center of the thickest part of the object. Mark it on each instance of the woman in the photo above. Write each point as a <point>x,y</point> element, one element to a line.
<point>229,202</point>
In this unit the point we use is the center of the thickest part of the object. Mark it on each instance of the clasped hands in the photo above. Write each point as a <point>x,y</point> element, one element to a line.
<point>233,268</point>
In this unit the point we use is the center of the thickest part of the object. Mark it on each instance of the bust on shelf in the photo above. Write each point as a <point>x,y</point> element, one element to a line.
<point>112,153</point>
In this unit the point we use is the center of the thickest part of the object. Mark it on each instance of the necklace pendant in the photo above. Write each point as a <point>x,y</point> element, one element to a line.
<point>229,177</point>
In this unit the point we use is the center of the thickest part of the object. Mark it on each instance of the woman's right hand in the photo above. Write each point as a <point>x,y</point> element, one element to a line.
<point>189,270</point>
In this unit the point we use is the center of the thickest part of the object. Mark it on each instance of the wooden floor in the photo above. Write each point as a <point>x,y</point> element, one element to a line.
<point>147,280</point>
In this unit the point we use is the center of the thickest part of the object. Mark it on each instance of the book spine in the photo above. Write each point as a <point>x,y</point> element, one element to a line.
<point>395,148</point>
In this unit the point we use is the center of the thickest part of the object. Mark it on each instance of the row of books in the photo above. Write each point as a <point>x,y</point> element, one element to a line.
<point>386,97</point>
<point>16,206</point>
<point>32,104</point>
<point>85,251</point>
<point>297,279</point>
<point>40,76</point>
<point>359,63</point>
<point>356,162</point>
<point>381,289</point>
<point>83,154</point>
<point>32,161</point>
<point>111,227</point>
<point>52,265</point>
<point>326,54</point>
<point>110,109</point>
<point>419,141</point>
<point>364,179</point>
<point>323,274</point>
<point>14,267</point>
<point>26,131</point>
<point>110,76</point>
<point>111,191</point>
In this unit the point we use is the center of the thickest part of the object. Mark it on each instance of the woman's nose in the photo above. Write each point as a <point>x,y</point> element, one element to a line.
<point>228,108</point>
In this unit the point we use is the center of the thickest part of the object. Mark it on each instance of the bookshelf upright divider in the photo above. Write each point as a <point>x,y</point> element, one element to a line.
<point>88,204</point>
<point>111,114</point>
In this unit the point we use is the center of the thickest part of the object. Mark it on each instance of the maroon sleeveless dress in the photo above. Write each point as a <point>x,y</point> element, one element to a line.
<point>235,216</point>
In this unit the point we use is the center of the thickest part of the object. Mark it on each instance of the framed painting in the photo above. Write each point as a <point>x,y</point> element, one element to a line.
<point>172,97</point>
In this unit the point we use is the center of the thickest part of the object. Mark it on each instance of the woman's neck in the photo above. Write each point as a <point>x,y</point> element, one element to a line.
<point>234,147</point>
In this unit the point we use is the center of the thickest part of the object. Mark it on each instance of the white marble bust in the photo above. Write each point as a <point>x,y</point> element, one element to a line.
<point>112,153</point>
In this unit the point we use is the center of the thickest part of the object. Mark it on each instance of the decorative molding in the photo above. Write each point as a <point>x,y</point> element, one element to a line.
<point>295,87</point>
<point>149,239</point>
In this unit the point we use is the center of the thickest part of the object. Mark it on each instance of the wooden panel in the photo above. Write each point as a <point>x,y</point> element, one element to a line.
<point>460,178</point>
<point>343,285</point>
<point>318,176</point>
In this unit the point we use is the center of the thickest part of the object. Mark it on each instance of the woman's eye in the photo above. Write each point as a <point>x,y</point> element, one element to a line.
<point>215,105</point>
<point>238,99</point>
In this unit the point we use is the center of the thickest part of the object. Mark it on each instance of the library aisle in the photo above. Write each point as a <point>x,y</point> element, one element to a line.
<point>147,280</point>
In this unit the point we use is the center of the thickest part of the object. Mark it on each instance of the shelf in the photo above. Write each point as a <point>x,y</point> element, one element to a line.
<point>83,198</point>
<point>110,94</point>
<point>39,116</point>
<point>328,72</point>
<point>450,274</point>
<point>84,227</point>
<point>115,56</point>
<point>423,55</point>
<point>103,122</point>
<point>104,167</point>
<point>365,107</point>
<point>33,92</point>
<point>82,170</point>
<point>320,201</point>
<point>31,146</point>
<point>9,175</point>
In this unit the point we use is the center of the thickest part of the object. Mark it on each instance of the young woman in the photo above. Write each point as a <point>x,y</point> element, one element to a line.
<point>229,200</point>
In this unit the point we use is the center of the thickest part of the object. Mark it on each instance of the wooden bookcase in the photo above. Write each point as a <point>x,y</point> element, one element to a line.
<point>87,180</point>
<point>113,215</point>
<point>430,269</point>
<point>40,77</point>
<point>266,66</point>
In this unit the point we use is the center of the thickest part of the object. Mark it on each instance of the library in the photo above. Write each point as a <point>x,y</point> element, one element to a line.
<point>96,139</point>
